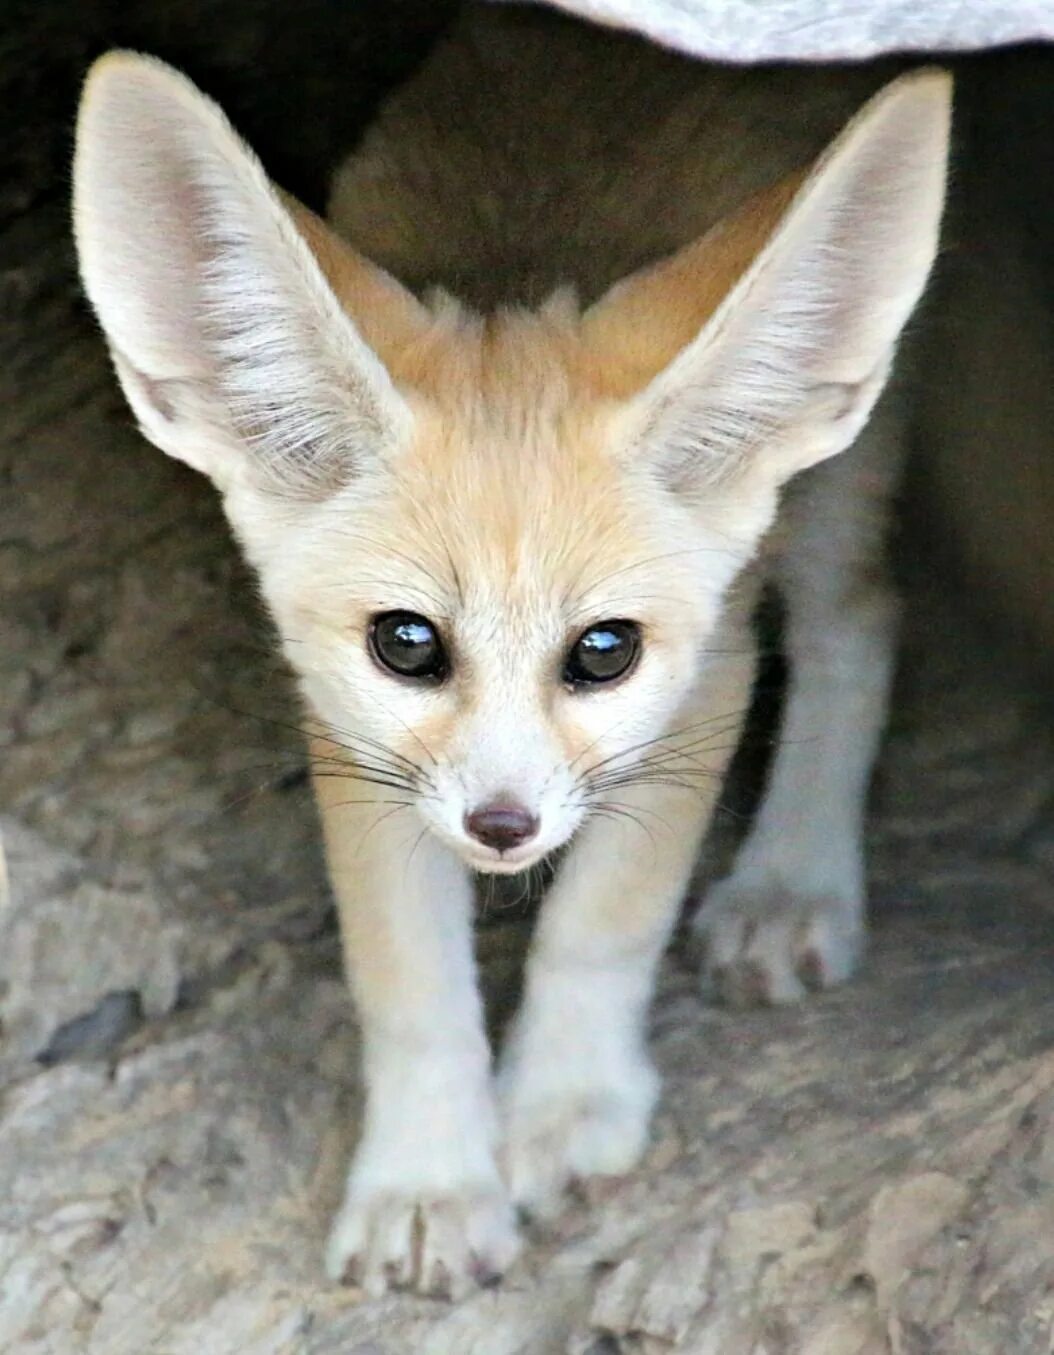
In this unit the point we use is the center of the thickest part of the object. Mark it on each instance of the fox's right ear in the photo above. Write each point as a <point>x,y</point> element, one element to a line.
<point>784,371</point>
<point>219,298</point>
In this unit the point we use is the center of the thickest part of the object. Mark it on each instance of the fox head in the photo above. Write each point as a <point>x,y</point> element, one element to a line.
<point>496,548</point>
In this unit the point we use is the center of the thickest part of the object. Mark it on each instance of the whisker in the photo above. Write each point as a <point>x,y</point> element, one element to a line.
<point>413,734</point>
<point>381,818</point>
<point>590,746</point>
<point>384,765</point>
<point>638,809</point>
<point>318,730</point>
<point>313,766</point>
<point>664,757</point>
<point>353,766</point>
<point>347,804</point>
<point>524,892</point>
<point>353,734</point>
<point>339,769</point>
<point>238,800</point>
<point>350,773</point>
<point>655,767</point>
<point>673,782</point>
<point>608,810</point>
<point>372,781</point>
<point>363,760</point>
<point>661,738</point>
<point>417,842</point>
<point>487,902</point>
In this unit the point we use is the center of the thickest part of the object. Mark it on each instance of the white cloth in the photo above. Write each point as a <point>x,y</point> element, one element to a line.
<point>761,30</point>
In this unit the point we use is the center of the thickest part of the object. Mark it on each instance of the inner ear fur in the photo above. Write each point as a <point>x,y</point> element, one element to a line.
<point>245,334</point>
<point>762,348</point>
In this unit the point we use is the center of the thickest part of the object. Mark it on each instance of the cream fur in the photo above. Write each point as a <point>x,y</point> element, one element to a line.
<point>516,475</point>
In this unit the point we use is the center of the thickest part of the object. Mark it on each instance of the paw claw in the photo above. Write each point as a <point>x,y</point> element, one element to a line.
<point>570,1143</point>
<point>765,944</point>
<point>351,1273</point>
<point>811,971</point>
<point>393,1275</point>
<point>483,1274</point>
<point>754,985</point>
<point>437,1245</point>
<point>440,1283</point>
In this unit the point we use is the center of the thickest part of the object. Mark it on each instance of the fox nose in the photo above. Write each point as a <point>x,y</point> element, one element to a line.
<point>501,825</point>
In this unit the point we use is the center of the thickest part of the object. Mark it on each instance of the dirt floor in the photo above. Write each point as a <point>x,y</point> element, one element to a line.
<point>870,1174</point>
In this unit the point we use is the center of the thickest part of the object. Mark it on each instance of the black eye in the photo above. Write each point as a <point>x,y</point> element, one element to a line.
<point>409,645</point>
<point>604,652</point>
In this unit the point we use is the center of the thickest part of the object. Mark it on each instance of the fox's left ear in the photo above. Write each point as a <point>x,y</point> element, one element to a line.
<point>227,307</point>
<point>788,366</point>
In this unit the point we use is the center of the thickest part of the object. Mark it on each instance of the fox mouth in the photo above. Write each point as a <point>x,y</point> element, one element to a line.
<point>484,860</point>
<point>490,861</point>
<point>508,861</point>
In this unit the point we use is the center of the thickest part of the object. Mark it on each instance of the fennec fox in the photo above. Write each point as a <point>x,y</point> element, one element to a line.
<point>507,538</point>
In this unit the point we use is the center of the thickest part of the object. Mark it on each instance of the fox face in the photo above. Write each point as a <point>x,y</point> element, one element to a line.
<point>506,613</point>
<point>498,549</point>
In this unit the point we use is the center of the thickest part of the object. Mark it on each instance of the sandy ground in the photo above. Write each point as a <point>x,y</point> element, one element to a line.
<point>871,1174</point>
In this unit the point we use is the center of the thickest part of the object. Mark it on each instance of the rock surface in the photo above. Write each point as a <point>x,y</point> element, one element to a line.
<point>870,1174</point>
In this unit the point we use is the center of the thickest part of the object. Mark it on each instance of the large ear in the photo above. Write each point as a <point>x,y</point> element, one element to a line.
<point>219,297</point>
<point>787,367</point>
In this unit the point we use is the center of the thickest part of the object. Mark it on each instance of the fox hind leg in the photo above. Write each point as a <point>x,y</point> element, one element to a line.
<point>790,917</point>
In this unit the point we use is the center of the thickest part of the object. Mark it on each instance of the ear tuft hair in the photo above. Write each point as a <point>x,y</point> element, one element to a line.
<point>231,346</point>
<point>788,367</point>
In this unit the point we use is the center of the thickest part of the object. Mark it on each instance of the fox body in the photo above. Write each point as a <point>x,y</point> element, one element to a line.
<point>507,449</point>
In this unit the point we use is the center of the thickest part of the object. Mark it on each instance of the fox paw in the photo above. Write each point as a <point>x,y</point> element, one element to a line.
<point>769,945</point>
<point>440,1245</point>
<point>574,1137</point>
